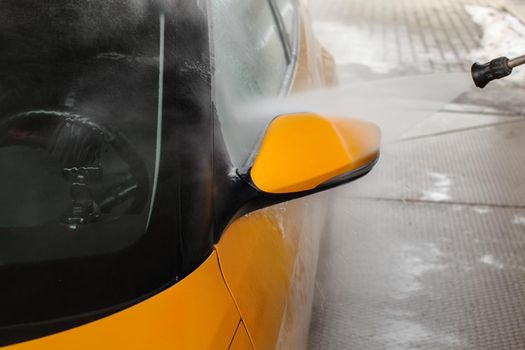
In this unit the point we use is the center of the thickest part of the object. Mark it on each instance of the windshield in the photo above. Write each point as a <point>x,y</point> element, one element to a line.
<point>81,156</point>
<point>78,128</point>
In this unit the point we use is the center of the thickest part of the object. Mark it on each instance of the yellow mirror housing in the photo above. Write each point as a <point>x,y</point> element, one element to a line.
<point>302,151</point>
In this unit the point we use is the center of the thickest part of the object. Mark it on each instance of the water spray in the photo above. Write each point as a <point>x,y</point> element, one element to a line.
<point>498,68</point>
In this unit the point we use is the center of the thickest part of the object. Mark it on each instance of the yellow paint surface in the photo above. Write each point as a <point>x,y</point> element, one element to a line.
<point>196,313</point>
<point>301,151</point>
<point>241,340</point>
<point>257,254</point>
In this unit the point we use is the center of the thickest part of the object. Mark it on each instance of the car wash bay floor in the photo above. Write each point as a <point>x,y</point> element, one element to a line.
<point>427,251</point>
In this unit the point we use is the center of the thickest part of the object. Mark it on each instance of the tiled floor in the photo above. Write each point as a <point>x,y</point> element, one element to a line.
<point>421,35</point>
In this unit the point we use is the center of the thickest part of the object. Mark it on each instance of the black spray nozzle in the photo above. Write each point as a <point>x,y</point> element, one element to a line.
<point>496,69</point>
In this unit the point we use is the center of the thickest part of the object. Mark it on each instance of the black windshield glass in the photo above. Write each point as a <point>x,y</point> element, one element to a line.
<point>78,128</point>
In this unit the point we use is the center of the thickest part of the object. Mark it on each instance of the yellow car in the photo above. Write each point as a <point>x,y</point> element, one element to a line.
<point>140,209</point>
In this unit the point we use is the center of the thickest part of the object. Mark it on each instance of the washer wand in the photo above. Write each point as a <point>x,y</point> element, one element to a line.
<point>484,73</point>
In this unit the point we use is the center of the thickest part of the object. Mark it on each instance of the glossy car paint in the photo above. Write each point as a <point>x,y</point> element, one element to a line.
<point>241,341</point>
<point>262,270</point>
<point>292,156</point>
<point>273,286</point>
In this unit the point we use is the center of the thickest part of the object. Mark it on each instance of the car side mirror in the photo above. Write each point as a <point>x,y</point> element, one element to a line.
<point>300,154</point>
<point>308,152</point>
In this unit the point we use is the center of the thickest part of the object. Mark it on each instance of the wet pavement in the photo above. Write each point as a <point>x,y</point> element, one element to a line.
<point>427,251</point>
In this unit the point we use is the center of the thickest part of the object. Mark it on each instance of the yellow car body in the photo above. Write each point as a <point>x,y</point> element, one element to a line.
<point>255,288</point>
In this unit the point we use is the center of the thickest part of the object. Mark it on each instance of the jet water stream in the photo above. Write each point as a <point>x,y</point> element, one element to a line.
<point>394,104</point>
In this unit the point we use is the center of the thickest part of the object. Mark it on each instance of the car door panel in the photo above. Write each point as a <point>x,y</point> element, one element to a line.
<point>257,253</point>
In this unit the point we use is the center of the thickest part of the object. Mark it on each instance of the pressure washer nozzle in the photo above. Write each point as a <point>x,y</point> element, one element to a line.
<point>496,69</point>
